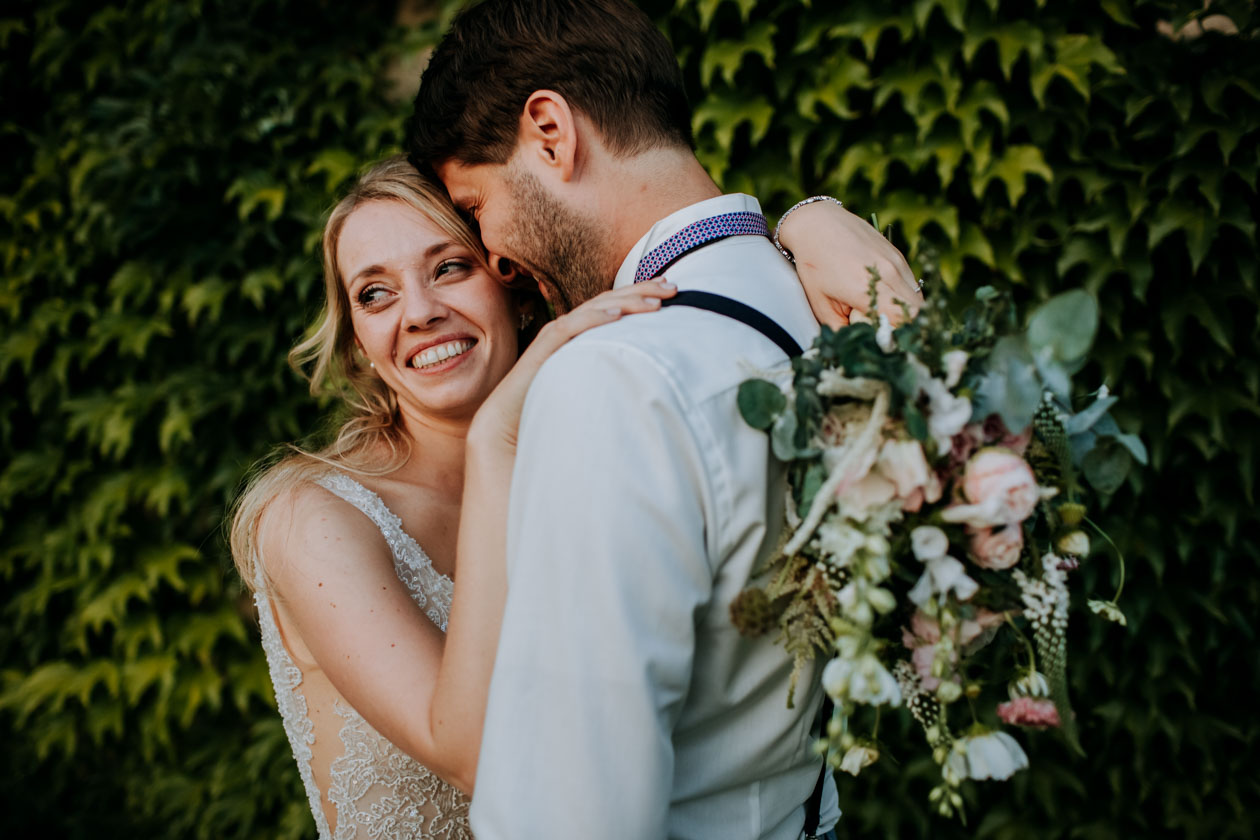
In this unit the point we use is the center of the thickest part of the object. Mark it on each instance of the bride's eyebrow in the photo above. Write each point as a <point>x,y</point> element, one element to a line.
<point>432,252</point>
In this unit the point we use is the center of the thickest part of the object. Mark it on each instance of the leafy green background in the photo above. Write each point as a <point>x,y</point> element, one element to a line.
<point>167,164</point>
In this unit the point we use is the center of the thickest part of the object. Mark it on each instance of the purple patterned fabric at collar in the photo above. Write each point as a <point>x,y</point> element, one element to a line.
<point>745,223</point>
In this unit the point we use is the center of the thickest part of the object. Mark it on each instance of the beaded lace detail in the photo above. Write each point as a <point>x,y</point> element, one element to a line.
<point>378,791</point>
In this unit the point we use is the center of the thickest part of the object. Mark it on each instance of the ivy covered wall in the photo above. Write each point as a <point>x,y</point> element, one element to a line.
<point>166,167</point>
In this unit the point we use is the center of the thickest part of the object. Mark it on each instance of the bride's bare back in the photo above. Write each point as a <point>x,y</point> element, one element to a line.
<point>359,784</point>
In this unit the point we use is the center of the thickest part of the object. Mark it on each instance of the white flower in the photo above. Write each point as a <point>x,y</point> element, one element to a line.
<point>884,335</point>
<point>869,492</point>
<point>860,600</point>
<point>991,755</point>
<point>860,679</point>
<point>942,576</point>
<point>928,542</point>
<point>833,383</point>
<point>1075,543</point>
<point>954,770</point>
<point>955,363</point>
<point>947,413</point>
<point>857,757</point>
<point>1109,611</point>
<point>947,416</point>
<point>1031,684</point>
<point>1103,391</point>
<point>839,540</point>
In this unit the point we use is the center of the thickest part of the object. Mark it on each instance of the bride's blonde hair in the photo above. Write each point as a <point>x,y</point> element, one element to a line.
<point>371,440</point>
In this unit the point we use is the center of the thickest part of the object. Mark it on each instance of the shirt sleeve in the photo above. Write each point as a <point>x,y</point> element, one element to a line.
<point>607,570</point>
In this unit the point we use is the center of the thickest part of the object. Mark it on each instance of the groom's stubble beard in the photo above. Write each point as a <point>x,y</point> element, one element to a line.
<point>562,248</point>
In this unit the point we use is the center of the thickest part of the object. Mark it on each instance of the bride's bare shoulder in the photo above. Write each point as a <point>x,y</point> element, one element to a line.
<point>305,527</point>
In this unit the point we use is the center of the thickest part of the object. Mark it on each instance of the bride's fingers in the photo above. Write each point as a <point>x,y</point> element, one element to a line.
<point>649,293</point>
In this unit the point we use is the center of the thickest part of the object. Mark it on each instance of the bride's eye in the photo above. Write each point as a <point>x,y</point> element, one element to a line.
<point>453,269</point>
<point>372,296</point>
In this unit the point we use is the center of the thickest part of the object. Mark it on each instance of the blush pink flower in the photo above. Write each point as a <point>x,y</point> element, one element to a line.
<point>1000,487</point>
<point>997,548</point>
<point>903,463</point>
<point>1029,711</point>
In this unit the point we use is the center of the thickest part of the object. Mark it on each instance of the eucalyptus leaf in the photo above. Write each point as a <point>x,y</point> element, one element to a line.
<point>783,437</point>
<point>760,402</point>
<point>1106,466</point>
<point>1011,388</point>
<point>1065,325</point>
<point>1107,427</point>
<point>1054,376</point>
<point>810,483</point>
<point>1080,445</point>
<point>1086,419</point>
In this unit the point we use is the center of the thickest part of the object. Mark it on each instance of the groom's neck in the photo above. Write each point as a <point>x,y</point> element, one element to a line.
<point>650,186</point>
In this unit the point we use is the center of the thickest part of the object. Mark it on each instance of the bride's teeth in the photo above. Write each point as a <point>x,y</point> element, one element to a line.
<point>441,353</point>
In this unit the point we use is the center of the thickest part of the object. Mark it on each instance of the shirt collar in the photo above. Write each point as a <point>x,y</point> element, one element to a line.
<point>675,222</point>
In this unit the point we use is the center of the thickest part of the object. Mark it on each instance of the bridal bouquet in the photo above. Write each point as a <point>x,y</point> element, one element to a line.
<point>940,483</point>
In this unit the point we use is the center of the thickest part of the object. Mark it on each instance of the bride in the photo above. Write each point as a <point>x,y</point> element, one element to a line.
<point>381,666</point>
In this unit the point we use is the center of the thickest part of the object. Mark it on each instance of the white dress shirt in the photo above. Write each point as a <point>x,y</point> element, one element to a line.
<point>624,703</point>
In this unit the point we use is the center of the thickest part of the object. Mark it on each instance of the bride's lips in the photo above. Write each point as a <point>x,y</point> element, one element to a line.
<point>440,354</point>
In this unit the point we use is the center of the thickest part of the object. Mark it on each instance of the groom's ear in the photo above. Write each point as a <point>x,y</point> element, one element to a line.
<point>549,133</point>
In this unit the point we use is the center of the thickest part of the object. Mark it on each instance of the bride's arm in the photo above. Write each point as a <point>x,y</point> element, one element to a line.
<point>833,249</point>
<point>459,703</point>
<point>340,599</point>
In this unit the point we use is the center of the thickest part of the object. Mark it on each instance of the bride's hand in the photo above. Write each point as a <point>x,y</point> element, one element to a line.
<point>499,417</point>
<point>833,249</point>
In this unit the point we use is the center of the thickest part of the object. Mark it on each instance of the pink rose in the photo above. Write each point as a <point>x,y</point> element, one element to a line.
<point>1029,711</point>
<point>997,548</point>
<point>1000,487</point>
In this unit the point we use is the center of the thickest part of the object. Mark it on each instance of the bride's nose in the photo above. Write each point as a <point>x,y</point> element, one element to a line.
<point>423,309</point>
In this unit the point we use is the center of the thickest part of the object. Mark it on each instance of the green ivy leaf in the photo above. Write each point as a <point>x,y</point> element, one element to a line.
<point>1013,169</point>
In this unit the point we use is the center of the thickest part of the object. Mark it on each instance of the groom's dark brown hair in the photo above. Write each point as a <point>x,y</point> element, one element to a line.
<point>605,57</point>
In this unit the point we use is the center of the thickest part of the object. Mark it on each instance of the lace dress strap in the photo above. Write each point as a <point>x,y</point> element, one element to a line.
<point>430,589</point>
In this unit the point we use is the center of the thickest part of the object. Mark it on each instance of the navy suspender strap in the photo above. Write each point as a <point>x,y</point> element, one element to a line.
<point>741,312</point>
<point>813,808</point>
<point>745,314</point>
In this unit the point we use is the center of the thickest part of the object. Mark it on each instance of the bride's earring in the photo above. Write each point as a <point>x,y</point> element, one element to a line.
<point>526,317</point>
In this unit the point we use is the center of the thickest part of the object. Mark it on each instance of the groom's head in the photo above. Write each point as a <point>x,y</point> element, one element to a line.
<point>527,110</point>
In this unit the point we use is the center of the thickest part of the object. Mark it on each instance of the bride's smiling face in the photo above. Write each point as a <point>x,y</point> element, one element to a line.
<point>438,328</point>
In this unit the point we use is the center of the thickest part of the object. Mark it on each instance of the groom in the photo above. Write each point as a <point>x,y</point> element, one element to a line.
<point>624,703</point>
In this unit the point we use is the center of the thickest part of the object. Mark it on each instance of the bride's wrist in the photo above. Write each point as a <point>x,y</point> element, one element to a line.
<point>806,220</point>
<point>487,438</point>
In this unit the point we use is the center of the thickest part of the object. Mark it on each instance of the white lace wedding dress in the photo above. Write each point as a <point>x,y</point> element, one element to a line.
<point>377,791</point>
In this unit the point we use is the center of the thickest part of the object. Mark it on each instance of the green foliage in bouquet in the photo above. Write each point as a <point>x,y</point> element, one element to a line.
<point>928,425</point>
<point>166,167</point>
